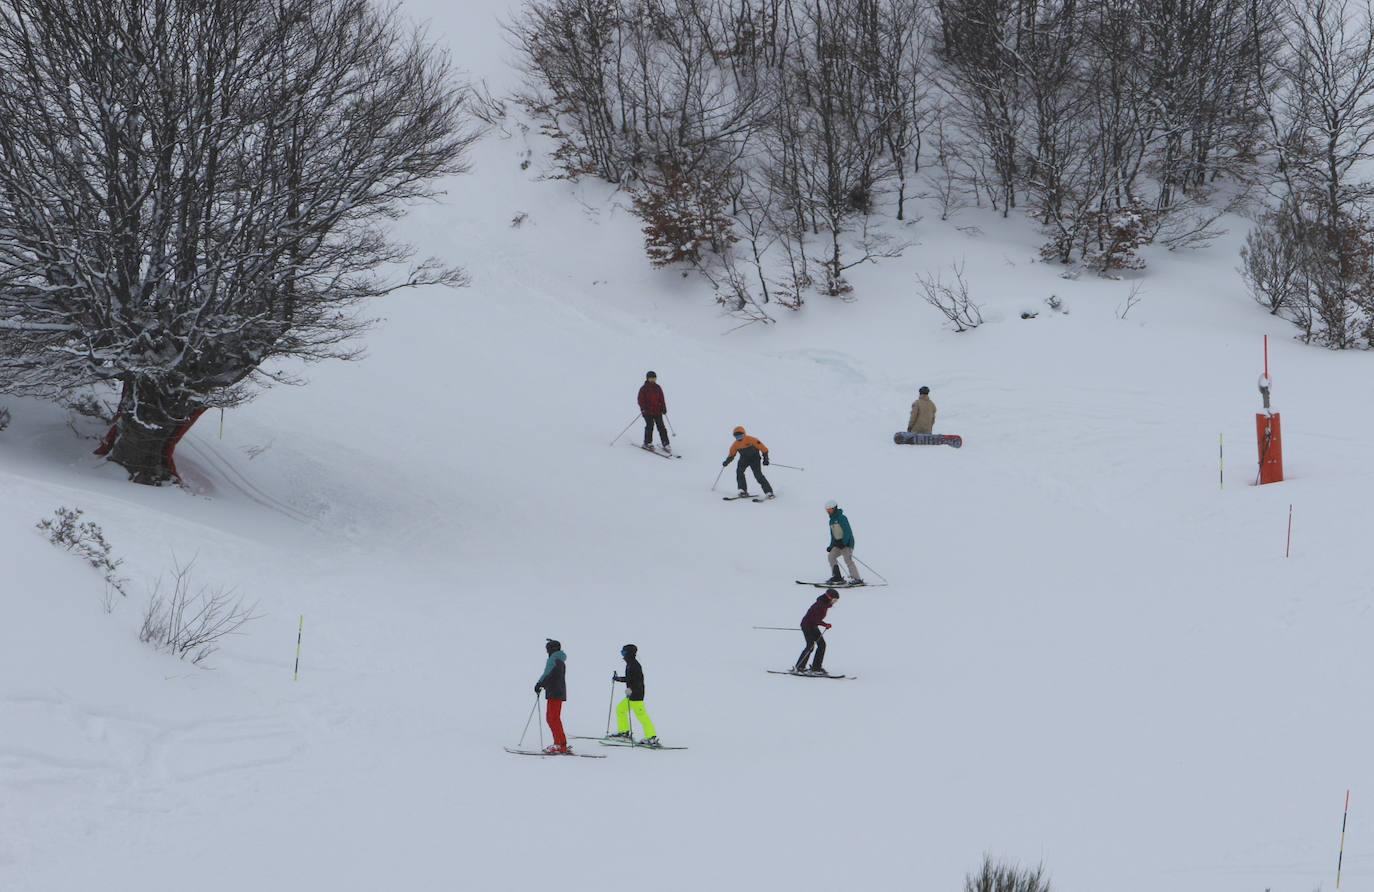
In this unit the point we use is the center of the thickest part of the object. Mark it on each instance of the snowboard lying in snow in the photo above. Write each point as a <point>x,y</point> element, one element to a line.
<point>902,438</point>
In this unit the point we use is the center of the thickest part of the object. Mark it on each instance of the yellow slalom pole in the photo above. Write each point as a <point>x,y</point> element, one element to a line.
<point>299,629</point>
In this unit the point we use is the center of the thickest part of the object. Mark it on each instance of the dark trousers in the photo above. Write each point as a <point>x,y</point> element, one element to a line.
<point>814,639</point>
<point>755,464</point>
<point>649,422</point>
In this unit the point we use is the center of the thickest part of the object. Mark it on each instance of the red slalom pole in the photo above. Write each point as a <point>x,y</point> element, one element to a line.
<point>1288,547</point>
<point>1341,857</point>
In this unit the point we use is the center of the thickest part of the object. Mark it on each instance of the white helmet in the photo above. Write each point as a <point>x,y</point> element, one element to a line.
<point>830,504</point>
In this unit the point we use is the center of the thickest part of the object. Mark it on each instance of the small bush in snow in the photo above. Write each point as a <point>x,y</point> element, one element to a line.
<point>4,418</point>
<point>997,877</point>
<point>67,530</point>
<point>952,299</point>
<point>190,623</point>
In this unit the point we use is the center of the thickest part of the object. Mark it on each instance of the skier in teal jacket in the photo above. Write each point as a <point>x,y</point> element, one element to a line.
<point>841,546</point>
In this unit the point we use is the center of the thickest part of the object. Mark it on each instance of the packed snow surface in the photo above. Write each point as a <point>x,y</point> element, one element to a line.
<point>1090,655</point>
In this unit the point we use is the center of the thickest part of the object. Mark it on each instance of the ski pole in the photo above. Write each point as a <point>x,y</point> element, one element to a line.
<point>781,465</point>
<point>627,427</point>
<point>778,628</point>
<point>722,471</point>
<point>875,572</point>
<point>610,704</point>
<point>528,720</point>
<point>670,427</point>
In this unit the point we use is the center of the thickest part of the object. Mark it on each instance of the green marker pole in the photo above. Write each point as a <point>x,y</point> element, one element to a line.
<point>299,629</point>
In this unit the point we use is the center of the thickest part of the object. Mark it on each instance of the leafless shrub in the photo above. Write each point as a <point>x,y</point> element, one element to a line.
<point>190,621</point>
<point>4,418</point>
<point>952,300</point>
<point>998,877</point>
<point>1132,299</point>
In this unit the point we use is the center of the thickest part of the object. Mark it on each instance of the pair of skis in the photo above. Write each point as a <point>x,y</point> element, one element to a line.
<point>749,496</point>
<point>839,585</point>
<point>604,741</point>
<point>665,453</point>
<point>808,674</point>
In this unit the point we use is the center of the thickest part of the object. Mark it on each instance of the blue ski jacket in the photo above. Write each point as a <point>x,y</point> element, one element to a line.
<point>841,536</point>
<point>554,680</point>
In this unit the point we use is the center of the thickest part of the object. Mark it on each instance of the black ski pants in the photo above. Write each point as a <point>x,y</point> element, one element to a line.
<point>814,639</point>
<point>649,422</point>
<point>753,462</point>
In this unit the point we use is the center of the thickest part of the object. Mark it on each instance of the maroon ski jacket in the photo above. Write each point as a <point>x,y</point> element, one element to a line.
<point>651,400</point>
<point>816,615</point>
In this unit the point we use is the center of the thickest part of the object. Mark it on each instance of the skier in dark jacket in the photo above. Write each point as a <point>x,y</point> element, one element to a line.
<point>554,685</point>
<point>634,699</point>
<point>811,628</point>
<point>752,453</point>
<point>653,407</point>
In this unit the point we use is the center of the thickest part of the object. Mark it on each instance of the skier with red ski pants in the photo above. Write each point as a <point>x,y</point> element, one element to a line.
<point>554,685</point>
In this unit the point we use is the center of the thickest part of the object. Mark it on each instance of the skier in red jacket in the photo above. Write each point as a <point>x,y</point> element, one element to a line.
<point>811,627</point>
<point>653,407</point>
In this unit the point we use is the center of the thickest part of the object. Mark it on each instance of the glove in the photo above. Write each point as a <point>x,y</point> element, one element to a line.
<point>829,547</point>
<point>538,687</point>
<point>765,458</point>
<point>615,677</point>
<point>827,625</point>
<point>724,463</point>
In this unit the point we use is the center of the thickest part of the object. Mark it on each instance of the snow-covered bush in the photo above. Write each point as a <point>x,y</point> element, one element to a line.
<point>67,530</point>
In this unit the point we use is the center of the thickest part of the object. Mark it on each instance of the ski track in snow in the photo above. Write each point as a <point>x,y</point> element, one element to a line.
<point>118,750</point>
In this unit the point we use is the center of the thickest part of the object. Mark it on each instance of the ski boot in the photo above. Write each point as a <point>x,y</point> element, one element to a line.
<point>620,735</point>
<point>650,742</point>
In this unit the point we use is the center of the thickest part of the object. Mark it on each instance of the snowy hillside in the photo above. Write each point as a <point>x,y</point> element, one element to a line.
<point>1090,655</point>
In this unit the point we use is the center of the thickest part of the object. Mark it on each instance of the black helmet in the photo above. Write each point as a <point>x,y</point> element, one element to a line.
<point>924,389</point>
<point>831,594</point>
<point>650,375</point>
<point>629,650</point>
<point>551,645</point>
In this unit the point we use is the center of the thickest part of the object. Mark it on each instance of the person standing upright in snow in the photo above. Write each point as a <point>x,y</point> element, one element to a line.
<point>841,546</point>
<point>752,453</point>
<point>653,407</point>
<point>811,628</point>
<point>634,699</point>
<point>922,414</point>
<point>555,687</point>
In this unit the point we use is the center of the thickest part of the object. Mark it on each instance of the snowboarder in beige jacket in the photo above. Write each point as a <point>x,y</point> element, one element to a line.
<point>922,414</point>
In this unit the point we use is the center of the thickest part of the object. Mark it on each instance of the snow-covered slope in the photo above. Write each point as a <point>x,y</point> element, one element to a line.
<point>1089,653</point>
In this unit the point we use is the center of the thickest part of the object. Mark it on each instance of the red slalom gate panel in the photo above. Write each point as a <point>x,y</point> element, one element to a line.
<point>1268,435</point>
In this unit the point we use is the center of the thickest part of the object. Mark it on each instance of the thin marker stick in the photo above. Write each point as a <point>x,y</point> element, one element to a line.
<point>296,676</point>
<point>1341,857</point>
<point>1221,461</point>
<point>1288,547</point>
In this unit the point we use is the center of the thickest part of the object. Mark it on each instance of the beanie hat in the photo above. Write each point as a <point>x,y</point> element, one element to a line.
<point>831,594</point>
<point>650,375</point>
<point>630,649</point>
<point>551,645</point>
<point>924,389</point>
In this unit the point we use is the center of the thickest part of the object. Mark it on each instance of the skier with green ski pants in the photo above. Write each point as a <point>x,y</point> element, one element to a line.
<point>634,699</point>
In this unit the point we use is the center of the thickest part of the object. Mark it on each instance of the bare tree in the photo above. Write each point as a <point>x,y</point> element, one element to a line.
<point>1321,120</point>
<point>190,192</point>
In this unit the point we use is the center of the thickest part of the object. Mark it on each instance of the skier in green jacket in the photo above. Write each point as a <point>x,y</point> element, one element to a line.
<point>841,546</point>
